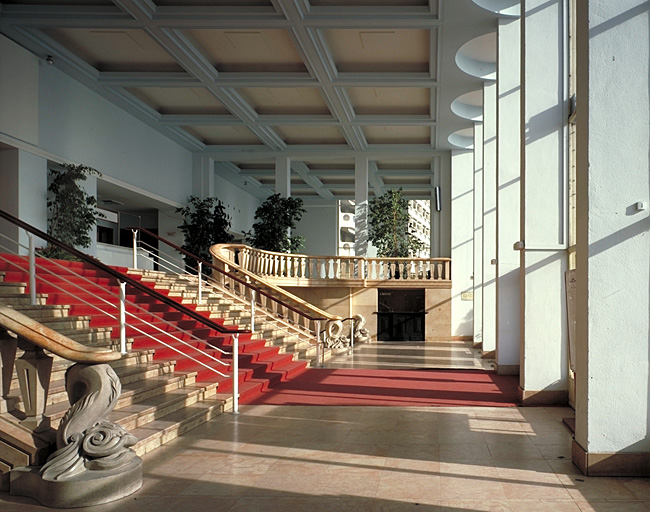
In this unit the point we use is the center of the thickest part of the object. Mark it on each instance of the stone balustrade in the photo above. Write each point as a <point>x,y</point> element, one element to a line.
<point>303,269</point>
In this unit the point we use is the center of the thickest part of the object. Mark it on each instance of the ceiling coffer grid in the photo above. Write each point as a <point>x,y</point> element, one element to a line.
<point>319,80</point>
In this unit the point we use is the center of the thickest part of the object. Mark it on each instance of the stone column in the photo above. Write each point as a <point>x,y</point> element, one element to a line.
<point>508,195</point>
<point>202,176</point>
<point>283,176</point>
<point>544,354</point>
<point>361,206</point>
<point>489,216</point>
<point>613,221</point>
<point>23,193</point>
<point>441,221</point>
<point>478,233</point>
<point>462,248</point>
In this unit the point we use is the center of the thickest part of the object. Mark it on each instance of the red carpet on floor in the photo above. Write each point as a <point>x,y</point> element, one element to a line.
<point>419,388</point>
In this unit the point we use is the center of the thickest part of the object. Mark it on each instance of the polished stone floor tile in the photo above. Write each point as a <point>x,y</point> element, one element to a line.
<point>375,459</point>
<point>398,355</point>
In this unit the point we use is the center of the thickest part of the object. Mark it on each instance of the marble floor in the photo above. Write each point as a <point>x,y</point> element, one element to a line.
<point>373,459</point>
<point>401,355</point>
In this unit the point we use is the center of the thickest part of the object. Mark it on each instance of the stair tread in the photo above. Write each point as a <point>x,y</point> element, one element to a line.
<point>169,398</point>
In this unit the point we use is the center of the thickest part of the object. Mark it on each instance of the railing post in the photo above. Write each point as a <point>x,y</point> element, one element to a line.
<point>318,350</point>
<point>235,373</point>
<point>135,248</point>
<point>32,270</point>
<point>252,310</point>
<point>351,335</point>
<point>123,317</point>
<point>200,282</point>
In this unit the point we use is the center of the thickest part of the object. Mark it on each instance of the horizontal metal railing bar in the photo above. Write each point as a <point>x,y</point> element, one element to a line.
<point>119,275</point>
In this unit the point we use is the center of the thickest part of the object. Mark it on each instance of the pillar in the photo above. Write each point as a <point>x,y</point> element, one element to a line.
<point>202,176</point>
<point>478,233</point>
<point>544,353</point>
<point>489,216</point>
<point>283,176</point>
<point>440,221</point>
<point>23,194</point>
<point>613,221</point>
<point>361,205</point>
<point>462,246</point>
<point>508,196</point>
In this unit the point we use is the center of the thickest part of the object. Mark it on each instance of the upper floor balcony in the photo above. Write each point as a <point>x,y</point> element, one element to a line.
<point>355,271</point>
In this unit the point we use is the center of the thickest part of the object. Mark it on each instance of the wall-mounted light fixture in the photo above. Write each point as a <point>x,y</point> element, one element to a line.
<point>49,60</point>
<point>438,199</point>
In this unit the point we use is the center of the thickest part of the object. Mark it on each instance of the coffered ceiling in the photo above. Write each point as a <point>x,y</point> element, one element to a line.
<point>246,81</point>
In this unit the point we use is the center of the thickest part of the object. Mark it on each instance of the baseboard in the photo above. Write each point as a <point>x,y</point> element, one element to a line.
<point>506,369</point>
<point>610,464</point>
<point>543,397</point>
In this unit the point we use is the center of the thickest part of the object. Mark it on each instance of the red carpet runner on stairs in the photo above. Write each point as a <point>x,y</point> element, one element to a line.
<point>418,388</point>
<point>261,366</point>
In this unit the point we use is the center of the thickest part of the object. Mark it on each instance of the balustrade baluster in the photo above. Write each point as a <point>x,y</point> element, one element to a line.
<point>439,265</point>
<point>338,268</point>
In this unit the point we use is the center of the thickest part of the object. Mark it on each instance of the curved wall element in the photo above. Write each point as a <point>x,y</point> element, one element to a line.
<point>478,57</point>
<point>469,106</point>
<point>501,7</point>
<point>463,139</point>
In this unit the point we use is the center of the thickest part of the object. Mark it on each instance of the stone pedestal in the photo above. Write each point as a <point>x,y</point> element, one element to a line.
<point>84,490</point>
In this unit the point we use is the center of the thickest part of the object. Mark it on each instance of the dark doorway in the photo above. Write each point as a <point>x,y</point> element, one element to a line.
<point>401,315</point>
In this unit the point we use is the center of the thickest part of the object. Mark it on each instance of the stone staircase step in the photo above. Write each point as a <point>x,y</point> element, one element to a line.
<point>21,299</point>
<point>12,288</point>
<point>41,312</point>
<point>163,430</point>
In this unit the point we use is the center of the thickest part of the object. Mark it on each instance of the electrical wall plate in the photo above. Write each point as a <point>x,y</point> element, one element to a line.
<point>641,205</point>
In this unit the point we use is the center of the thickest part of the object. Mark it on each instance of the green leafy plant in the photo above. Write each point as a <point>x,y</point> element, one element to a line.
<point>275,217</point>
<point>72,211</point>
<point>388,220</point>
<point>205,223</point>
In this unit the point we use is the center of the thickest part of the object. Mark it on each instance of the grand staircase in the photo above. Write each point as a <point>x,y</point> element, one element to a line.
<point>163,393</point>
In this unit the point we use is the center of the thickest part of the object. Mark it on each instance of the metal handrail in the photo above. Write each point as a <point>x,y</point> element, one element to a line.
<point>128,313</point>
<point>124,279</point>
<point>257,289</point>
<point>119,275</point>
<point>178,267</point>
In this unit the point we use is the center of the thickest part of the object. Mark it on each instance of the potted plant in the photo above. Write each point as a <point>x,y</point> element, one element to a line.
<point>388,220</point>
<point>205,223</point>
<point>72,211</point>
<point>276,216</point>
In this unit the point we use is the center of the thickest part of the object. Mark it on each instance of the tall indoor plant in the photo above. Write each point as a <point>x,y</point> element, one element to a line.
<point>72,211</point>
<point>275,217</point>
<point>388,220</point>
<point>205,223</point>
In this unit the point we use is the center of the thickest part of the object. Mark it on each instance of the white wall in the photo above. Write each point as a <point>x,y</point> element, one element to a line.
<point>18,91</point>
<point>47,114</point>
<point>239,204</point>
<point>78,125</point>
<point>462,242</point>
<point>319,225</point>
